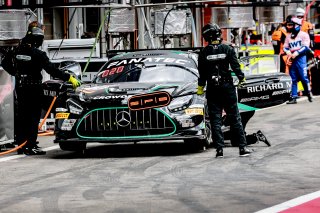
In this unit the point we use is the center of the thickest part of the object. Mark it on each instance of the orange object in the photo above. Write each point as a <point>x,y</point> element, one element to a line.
<point>285,58</point>
<point>306,26</point>
<point>45,118</point>
<point>150,100</point>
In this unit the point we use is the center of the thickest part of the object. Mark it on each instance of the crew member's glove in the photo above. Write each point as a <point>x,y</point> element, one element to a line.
<point>288,53</point>
<point>295,54</point>
<point>75,82</point>
<point>241,83</point>
<point>200,90</point>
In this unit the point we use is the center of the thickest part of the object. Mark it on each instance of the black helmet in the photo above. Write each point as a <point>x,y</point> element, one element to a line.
<point>211,32</point>
<point>35,37</point>
<point>288,19</point>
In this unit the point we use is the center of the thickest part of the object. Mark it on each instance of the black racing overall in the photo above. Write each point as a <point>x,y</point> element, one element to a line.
<point>29,62</point>
<point>214,62</point>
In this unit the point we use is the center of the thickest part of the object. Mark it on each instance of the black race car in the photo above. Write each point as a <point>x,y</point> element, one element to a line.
<point>124,102</point>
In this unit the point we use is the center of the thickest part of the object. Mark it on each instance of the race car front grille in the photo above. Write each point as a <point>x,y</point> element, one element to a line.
<point>121,122</point>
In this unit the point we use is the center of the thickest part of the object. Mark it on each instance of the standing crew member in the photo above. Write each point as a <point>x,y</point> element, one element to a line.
<point>278,38</point>
<point>296,47</point>
<point>26,64</point>
<point>213,65</point>
<point>308,28</point>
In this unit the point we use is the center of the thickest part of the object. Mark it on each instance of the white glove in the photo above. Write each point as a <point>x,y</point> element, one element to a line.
<point>288,53</point>
<point>295,54</point>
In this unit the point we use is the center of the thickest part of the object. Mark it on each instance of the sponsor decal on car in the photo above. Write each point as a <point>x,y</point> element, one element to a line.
<point>62,115</point>
<point>149,100</point>
<point>112,71</point>
<point>264,97</point>
<point>265,87</point>
<point>106,97</point>
<point>150,60</point>
<point>281,92</point>
<point>49,93</point>
<point>194,111</point>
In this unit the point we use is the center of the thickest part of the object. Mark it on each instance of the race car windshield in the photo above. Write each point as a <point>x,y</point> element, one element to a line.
<point>150,73</point>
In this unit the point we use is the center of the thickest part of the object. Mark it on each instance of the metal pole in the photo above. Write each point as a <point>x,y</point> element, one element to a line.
<point>194,32</point>
<point>141,28</point>
<point>147,26</point>
<point>198,25</point>
<point>40,12</point>
<point>103,47</point>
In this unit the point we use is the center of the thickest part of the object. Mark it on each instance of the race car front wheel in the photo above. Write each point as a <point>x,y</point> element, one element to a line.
<point>201,144</point>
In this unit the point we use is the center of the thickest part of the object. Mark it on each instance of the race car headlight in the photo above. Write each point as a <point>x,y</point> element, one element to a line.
<point>185,121</point>
<point>68,124</point>
<point>180,103</point>
<point>74,107</point>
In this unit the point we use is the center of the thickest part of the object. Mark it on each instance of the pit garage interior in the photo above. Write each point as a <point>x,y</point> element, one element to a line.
<point>87,34</point>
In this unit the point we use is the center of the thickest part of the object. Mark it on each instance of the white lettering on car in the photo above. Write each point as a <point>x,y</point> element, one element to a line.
<point>112,64</point>
<point>280,92</point>
<point>109,97</point>
<point>264,87</point>
<point>169,60</point>
<point>158,59</point>
<point>123,62</point>
<point>150,60</point>
<point>147,59</point>
<point>288,84</point>
<point>265,97</point>
<point>134,60</point>
<point>180,61</point>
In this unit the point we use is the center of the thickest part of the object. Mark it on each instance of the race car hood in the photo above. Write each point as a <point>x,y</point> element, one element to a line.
<point>125,90</point>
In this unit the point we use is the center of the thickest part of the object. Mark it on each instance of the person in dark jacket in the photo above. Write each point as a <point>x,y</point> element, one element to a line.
<point>213,65</point>
<point>26,63</point>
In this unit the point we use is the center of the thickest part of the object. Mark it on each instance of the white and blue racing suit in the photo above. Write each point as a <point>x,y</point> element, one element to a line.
<point>298,46</point>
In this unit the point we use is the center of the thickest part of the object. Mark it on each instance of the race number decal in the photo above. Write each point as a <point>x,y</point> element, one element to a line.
<point>112,71</point>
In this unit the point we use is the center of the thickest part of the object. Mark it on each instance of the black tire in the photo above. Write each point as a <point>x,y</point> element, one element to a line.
<point>72,146</point>
<point>201,144</point>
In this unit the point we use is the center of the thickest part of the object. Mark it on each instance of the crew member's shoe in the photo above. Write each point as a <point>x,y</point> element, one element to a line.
<point>9,145</point>
<point>219,153</point>
<point>20,151</point>
<point>244,152</point>
<point>33,151</point>
<point>292,101</point>
<point>309,97</point>
<point>262,138</point>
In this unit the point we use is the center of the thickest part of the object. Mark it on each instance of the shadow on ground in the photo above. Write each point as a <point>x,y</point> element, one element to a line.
<point>130,150</point>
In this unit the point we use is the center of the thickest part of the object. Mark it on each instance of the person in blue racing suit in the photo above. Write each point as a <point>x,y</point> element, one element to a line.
<point>296,46</point>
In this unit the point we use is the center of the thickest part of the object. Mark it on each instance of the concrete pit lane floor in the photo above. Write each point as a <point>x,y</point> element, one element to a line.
<point>154,177</point>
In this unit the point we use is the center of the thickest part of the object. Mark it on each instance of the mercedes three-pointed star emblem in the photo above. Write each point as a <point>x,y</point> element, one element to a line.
<point>123,118</point>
